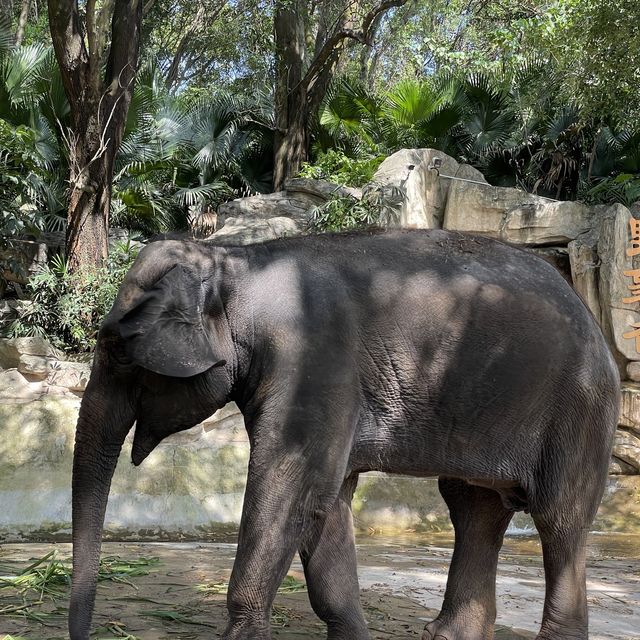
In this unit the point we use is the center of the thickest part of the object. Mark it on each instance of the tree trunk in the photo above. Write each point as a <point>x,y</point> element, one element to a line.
<point>290,96</point>
<point>98,80</point>
<point>90,196</point>
<point>298,94</point>
<point>22,21</point>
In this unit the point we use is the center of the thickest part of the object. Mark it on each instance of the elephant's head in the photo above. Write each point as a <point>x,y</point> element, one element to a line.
<point>164,359</point>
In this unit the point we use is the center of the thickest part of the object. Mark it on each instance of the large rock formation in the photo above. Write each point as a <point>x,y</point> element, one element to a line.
<point>514,215</point>
<point>31,368</point>
<point>585,267</point>
<point>413,174</point>
<point>617,317</point>
<point>275,215</point>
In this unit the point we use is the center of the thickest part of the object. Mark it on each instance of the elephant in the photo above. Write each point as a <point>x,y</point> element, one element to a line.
<point>418,352</point>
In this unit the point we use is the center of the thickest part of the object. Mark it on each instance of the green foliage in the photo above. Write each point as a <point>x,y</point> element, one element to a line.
<point>181,157</point>
<point>379,205</point>
<point>28,198</point>
<point>67,308</point>
<point>623,188</point>
<point>334,166</point>
<point>516,137</point>
<point>31,166</point>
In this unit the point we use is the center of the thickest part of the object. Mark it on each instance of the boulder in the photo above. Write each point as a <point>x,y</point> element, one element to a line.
<point>15,387</point>
<point>70,375</point>
<point>467,172</point>
<point>514,215</point>
<point>9,309</point>
<point>619,467</point>
<point>12,350</point>
<point>322,189</point>
<point>423,192</point>
<point>630,407</point>
<point>585,264</point>
<point>271,205</point>
<point>617,317</point>
<point>633,371</point>
<point>21,259</point>
<point>246,230</point>
<point>626,447</point>
<point>55,241</point>
<point>35,366</point>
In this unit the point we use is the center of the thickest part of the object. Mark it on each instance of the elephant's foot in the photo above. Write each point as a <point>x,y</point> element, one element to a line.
<point>248,629</point>
<point>457,630</point>
<point>352,631</point>
<point>573,630</point>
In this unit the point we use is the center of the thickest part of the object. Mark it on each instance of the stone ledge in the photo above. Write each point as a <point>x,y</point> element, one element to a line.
<point>13,349</point>
<point>630,409</point>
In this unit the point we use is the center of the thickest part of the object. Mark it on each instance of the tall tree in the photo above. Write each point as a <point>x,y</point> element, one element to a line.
<point>98,57</point>
<point>210,44</point>
<point>302,78</point>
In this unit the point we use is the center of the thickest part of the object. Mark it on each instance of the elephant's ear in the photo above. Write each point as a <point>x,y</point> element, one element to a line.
<point>164,332</point>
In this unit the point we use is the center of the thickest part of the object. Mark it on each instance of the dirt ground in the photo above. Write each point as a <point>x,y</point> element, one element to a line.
<point>402,586</point>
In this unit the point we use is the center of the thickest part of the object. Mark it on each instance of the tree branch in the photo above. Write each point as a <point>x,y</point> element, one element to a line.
<point>172,74</point>
<point>363,36</point>
<point>148,5</point>
<point>22,21</point>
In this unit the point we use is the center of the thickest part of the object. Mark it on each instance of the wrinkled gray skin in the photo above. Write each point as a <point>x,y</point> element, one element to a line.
<point>419,353</point>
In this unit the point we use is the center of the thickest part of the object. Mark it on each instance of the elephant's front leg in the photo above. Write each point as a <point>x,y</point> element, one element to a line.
<point>282,500</point>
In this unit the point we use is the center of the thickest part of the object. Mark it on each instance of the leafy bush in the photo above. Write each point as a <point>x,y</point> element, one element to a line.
<point>67,308</point>
<point>623,188</point>
<point>378,205</point>
<point>333,165</point>
<point>27,196</point>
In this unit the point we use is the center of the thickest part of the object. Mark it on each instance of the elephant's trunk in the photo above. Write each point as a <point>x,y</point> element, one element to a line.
<point>105,418</point>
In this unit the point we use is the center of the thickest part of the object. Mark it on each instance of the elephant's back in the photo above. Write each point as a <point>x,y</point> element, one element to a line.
<point>430,284</point>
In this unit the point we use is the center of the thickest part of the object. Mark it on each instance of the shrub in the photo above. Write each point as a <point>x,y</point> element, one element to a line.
<point>67,308</point>
<point>335,166</point>
<point>623,188</point>
<point>379,205</point>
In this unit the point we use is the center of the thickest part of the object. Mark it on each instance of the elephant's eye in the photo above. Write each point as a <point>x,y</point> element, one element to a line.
<point>116,355</point>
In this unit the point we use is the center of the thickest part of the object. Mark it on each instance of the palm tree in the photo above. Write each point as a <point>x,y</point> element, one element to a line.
<point>180,158</point>
<point>31,161</point>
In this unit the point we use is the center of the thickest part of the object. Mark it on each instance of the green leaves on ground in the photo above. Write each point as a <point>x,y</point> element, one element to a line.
<point>33,592</point>
<point>290,584</point>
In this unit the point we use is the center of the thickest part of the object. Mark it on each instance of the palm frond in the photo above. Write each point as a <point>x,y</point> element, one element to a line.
<point>192,196</point>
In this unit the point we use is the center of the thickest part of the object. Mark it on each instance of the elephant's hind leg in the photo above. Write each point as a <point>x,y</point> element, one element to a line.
<point>565,605</point>
<point>480,519</point>
<point>328,554</point>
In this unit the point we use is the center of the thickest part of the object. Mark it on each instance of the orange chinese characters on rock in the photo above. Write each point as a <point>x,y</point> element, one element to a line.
<point>634,249</point>
<point>634,334</point>
<point>635,287</point>
<point>634,274</point>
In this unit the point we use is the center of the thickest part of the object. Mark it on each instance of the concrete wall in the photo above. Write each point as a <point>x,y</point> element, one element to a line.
<point>192,485</point>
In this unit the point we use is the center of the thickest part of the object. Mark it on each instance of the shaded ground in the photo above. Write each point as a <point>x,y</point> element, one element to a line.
<point>402,586</point>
